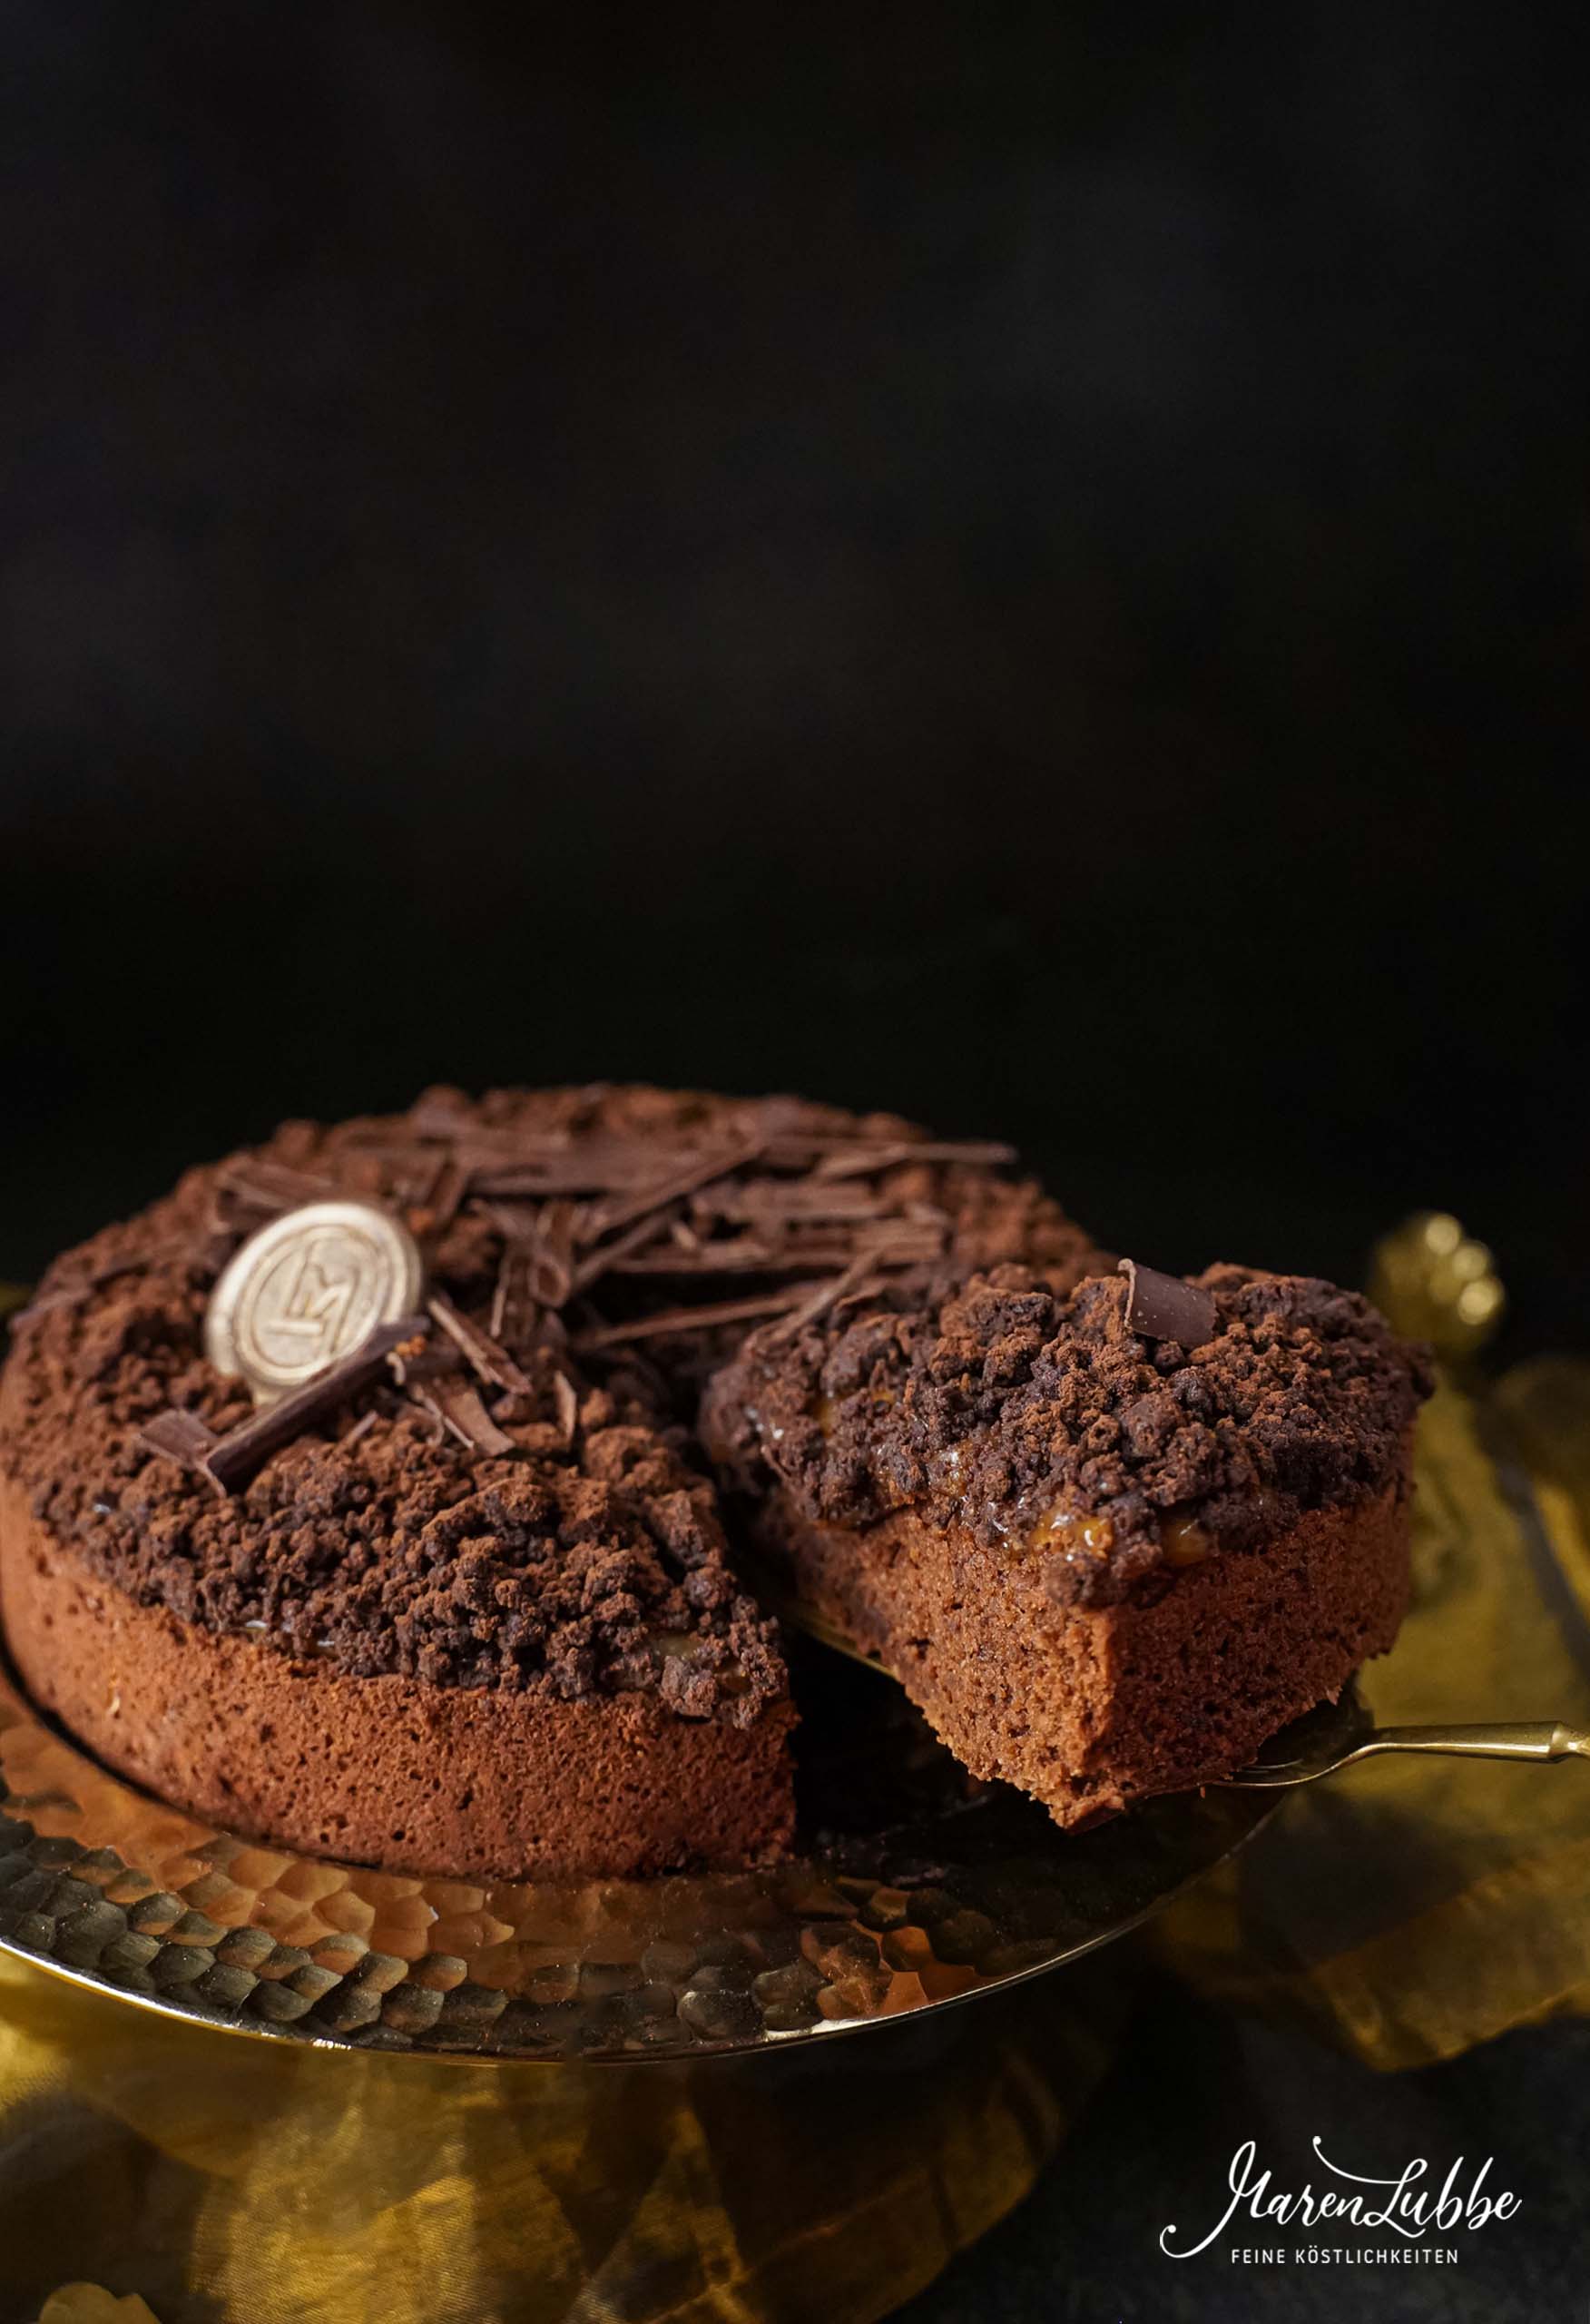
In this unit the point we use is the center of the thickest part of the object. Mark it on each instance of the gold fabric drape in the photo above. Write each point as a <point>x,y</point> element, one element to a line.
<point>1409,1908</point>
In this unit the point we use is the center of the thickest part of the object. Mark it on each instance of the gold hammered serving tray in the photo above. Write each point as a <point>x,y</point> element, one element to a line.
<point>915,1890</point>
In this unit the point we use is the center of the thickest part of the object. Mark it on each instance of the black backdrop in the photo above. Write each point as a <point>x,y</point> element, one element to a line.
<point>1024,572</point>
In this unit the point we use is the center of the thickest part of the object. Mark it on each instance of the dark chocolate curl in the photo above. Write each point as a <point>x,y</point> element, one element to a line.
<point>491,1361</point>
<point>1164,1307</point>
<point>460,1410</point>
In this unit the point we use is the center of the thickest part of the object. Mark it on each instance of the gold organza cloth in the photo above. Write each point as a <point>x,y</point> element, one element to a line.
<point>1404,1910</point>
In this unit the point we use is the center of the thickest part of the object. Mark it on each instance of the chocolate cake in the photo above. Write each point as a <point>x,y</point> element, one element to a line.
<point>461,1602</point>
<point>1110,1540</point>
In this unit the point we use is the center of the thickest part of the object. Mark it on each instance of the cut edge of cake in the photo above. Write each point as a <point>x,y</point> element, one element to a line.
<point>1088,1708</point>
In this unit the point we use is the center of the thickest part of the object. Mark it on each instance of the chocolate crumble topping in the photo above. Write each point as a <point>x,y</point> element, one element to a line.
<point>510,1500</point>
<point>1047,1426</point>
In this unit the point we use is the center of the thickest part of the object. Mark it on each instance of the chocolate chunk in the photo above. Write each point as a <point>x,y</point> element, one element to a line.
<point>692,1319</point>
<point>1164,1307</point>
<point>181,1436</point>
<point>234,1457</point>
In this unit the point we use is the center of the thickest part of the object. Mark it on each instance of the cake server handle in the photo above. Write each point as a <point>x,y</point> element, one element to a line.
<point>1537,1739</point>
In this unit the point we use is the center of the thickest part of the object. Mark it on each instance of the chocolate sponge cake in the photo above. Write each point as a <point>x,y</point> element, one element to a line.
<point>1111,1540</point>
<point>460,1602</point>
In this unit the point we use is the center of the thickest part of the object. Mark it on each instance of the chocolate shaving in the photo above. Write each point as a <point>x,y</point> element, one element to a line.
<point>609,1255</point>
<point>857,1281</point>
<point>1164,1307</point>
<point>516,1222</point>
<point>686,1179</point>
<point>886,1242</point>
<point>537,1185</point>
<point>900,1243</point>
<point>513,1311</point>
<point>610,1166</point>
<point>745,1255</point>
<point>775,1201</point>
<point>272,1187</point>
<point>549,1254</point>
<point>692,1319</point>
<point>448,1114</point>
<point>438,1205</point>
<point>455,1405</point>
<point>844,1158</point>
<point>502,1296</point>
<point>567,1399</point>
<point>234,1457</point>
<point>599,1160</point>
<point>181,1436</point>
<point>489,1360</point>
<point>426,1360</point>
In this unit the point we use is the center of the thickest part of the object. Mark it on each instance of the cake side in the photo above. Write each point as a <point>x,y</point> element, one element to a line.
<point>474,1782</point>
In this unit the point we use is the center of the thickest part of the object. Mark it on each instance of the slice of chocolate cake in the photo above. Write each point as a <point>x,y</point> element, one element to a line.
<point>1109,1541</point>
<point>458,1601</point>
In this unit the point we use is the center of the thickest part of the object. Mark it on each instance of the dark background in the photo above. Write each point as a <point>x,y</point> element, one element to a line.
<point>1023,569</point>
<point>1027,571</point>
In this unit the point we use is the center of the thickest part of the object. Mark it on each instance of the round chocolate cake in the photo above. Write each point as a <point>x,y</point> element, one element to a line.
<point>440,1580</point>
<point>463,1603</point>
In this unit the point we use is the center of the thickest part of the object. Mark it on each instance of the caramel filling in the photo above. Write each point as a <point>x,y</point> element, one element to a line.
<point>1067,1529</point>
<point>1184,1541</point>
<point>687,1646</point>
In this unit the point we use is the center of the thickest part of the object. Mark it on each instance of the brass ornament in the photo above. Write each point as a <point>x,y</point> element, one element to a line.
<point>1433,1281</point>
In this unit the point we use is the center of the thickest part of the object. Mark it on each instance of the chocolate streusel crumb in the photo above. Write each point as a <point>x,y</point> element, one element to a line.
<point>1046,1425</point>
<point>523,1512</point>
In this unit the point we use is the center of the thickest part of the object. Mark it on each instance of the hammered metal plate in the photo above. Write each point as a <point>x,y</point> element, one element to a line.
<point>917,1890</point>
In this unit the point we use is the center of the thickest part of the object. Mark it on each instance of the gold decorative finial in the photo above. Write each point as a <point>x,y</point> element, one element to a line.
<point>1433,1282</point>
